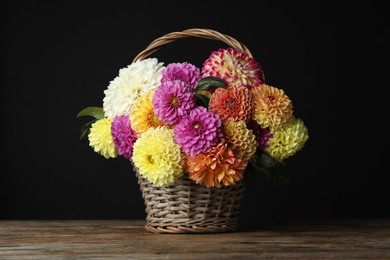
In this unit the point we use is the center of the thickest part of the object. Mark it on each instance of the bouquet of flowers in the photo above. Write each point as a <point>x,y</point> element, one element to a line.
<point>210,123</point>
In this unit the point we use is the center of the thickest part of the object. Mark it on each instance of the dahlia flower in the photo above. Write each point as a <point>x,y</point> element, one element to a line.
<point>216,167</point>
<point>101,140</point>
<point>198,132</point>
<point>133,81</point>
<point>142,114</point>
<point>231,103</point>
<point>172,101</point>
<point>185,72</point>
<point>158,157</point>
<point>271,107</point>
<point>123,135</point>
<point>288,140</point>
<point>262,134</point>
<point>234,67</point>
<point>240,140</point>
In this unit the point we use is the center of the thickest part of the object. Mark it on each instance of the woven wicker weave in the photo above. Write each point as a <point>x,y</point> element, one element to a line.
<point>186,207</point>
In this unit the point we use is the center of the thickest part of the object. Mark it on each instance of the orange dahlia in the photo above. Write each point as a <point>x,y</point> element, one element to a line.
<point>271,107</point>
<point>217,167</point>
<point>142,114</point>
<point>231,103</point>
<point>240,140</point>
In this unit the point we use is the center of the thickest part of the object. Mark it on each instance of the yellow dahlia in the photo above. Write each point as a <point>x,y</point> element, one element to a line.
<point>288,140</point>
<point>157,156</point>
<point>142,114</point>
<point>101,140</point>
<point>271,107</point>
<point>216,167</point>
<point>240,139</point>
<point>231,103</point>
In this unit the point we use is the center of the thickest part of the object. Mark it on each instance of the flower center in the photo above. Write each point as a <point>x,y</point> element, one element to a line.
<point>271,98</point>
<point>174,101</point>
<point>230,104</point>
<point>196,125</point>
<point>153,120</point>
<point>150,159</point>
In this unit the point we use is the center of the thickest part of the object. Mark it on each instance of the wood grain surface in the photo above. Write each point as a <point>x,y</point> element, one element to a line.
<point>127,239</point>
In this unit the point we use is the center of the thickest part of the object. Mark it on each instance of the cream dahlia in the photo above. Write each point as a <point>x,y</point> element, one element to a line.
<point>138,78</point>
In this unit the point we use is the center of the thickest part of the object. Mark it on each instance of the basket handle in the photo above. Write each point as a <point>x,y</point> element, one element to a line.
<point>195,32</point>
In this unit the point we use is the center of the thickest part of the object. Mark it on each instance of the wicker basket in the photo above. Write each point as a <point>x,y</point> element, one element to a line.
<point>187,207</point>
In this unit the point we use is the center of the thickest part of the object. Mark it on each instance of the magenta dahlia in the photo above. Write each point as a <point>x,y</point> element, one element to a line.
<point>262,134</point>
<point>198,132</point>
<point>123,135</point>
<point>172,101</point>
<point>235,67</point>
<point>185,72</point>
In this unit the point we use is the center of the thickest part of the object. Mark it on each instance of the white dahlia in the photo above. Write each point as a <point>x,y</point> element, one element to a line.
<point>138,78</point>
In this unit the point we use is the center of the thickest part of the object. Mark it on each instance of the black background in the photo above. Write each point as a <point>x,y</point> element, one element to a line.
<point>58,59</point>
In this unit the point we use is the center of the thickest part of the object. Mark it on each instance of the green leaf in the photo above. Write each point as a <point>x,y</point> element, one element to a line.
<point>271,168</point>
<point>209,83</point>
<point>202,100</point>
<point>96,112</point>
<point>85,129</point>
<point>267,161</point>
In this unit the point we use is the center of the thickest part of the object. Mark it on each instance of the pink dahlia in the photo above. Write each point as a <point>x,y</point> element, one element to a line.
<point>185,72</point>
<point>172,101</point>
<point>262,134</point>
<point>233,66</point>
<point>123,135</point>
<point>200,131</point>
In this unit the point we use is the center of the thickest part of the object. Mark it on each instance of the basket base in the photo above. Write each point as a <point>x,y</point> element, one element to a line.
<point>187,207</point>
<point>191,230</point>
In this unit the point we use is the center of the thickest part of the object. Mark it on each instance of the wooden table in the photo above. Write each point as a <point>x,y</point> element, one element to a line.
<point>127,239</point>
